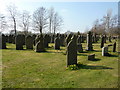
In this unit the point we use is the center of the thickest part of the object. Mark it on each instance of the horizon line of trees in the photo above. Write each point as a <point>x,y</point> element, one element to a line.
<point>108,24</point>
<point>42,20</point>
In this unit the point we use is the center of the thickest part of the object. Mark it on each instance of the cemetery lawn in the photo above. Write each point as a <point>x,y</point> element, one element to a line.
<point>28,69</point>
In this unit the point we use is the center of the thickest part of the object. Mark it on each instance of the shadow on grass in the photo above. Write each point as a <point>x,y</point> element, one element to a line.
<point>82,55</point>
<point>96,59</point>
<point>81,66</point>
<point>110,55</point>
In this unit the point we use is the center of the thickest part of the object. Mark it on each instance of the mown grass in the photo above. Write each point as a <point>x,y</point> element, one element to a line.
<point>28,69</point>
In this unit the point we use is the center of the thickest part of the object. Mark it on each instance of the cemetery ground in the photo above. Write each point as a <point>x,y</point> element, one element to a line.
<point>28,69</point>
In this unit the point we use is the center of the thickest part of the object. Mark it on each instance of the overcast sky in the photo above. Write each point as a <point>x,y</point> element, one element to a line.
<point>77,16</point>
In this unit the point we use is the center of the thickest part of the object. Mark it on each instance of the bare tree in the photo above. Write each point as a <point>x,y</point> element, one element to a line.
<point>40,19</point>
<point>51,15</point>
<point>25,17</point>
<point>57,22</point>
<point>3,23</point>
<point>12,9</point>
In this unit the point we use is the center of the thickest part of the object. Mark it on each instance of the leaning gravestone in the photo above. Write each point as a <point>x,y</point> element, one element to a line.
<point>72,51</point>
<point>57,43</point>
<point>29,42</point>
<point>114,47</point>
<point>39,47</point>
<point>89,41</point>
<point>105,51</point>
<point>19,42</point>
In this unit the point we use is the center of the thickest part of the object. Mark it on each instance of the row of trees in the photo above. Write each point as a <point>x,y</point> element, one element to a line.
<point>42,20</point>
<point>107,25</point>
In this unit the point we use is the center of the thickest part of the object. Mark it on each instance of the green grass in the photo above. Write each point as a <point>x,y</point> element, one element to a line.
<point>28,69</point>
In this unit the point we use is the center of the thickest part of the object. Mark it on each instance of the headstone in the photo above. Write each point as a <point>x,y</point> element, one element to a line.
<point>57,43</point>
<point>89,41</point>
<point>102,42</point>
<point>34,36</point>
<point>91,57</point>
<point>46,41</point>
<point>10,38</point>
<point>79,39</point>
<point>114,47</point>
<point>52,38</point>
<point>109,39</point>
<point>2,41</point>
<point>19,42</point>
<point>62,40</point>
<point>105,38</point>
<point>39,47</point>
<point>105,51</point>
<point>72,51</point>
<point>79,48</point>
<point>29,42</point>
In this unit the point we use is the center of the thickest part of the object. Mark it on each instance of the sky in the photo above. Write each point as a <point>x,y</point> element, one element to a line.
<point>77,15</point>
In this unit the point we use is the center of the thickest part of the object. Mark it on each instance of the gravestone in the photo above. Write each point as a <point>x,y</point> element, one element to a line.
<point>19,42</point>
<point>89,41</point>
<point>52,38</point>
<point>72,51</point>
<point>23,38</point>
<point>34,36</point>
<point>79,39</point>
<point>105,51</point>
<point>79,47</point>
<point>57,43</point>
<point>105,38</point>
<point>102,41</point>
<point>39,47</point>
<point>2,41</point>
<point>109,39</point>
<point>91,57</point>
<point>46,41</point>
<point>29,42</point>
<point>114,47</point>
<point>62,40</point>
<point>10,38</point>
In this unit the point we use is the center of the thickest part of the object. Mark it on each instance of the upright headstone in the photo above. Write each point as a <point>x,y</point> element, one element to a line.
<point>105,51</point>
<point>46,41</point>
<point>19,42</point>
<point>39,47</point>
<point>57,43</point>
<point>89,41</point>
<point>72,51</point>
<point>102,41</point>
<point>62,40</point>
<point>10,38</point>
<point>34,36</point>
<point>29,42</point>
<point>79,47</point>
<point>2,41</point>
<point>79,39</point>
<point>105,38</point>
<point>114,47</point>
<point>109,39</point>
